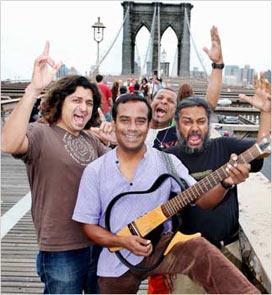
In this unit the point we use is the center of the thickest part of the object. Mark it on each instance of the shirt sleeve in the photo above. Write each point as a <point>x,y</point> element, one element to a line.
<point>88,206</point>
<point>35,137</point>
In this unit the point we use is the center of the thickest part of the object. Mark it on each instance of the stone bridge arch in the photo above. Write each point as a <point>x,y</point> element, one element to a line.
<point>171,15</point>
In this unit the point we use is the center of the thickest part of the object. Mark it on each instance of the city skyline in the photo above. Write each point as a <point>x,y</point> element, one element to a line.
<point>244,27</point>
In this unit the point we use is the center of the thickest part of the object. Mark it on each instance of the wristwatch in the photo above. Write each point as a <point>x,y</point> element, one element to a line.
<point>226,185</point>
<point>218,66</point>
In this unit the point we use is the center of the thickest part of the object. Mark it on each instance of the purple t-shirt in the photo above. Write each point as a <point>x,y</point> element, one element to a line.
<point>102,181</point>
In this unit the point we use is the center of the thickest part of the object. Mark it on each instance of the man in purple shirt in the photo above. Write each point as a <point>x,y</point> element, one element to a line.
<point>132,166</point>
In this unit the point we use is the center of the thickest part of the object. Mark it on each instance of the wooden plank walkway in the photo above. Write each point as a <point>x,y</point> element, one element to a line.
<point>18,255</point>
<point>14,182</point>
<point>19,247</point>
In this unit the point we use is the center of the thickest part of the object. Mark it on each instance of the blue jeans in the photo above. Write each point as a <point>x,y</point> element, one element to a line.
<point>69,272</point>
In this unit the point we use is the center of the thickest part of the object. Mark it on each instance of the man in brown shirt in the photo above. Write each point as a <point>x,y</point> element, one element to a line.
<point>55,154</point>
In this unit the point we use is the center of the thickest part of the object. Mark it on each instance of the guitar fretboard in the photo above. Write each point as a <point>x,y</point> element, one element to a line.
<point>174,205</point>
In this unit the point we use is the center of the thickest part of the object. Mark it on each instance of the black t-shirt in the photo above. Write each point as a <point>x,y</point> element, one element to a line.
<point>221,222</point>
<point>166,138</point>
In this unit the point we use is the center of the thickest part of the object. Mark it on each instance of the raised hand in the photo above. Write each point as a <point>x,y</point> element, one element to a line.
<point>105,132</point>
<point>215,53</point>
<point>262,97</point>
<point>44,70</point>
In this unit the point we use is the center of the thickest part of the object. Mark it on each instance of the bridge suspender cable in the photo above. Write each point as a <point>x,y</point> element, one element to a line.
<point>159,42</point>
<point>105,55</point>
<point>144,66</point>
<point>174,67</point>
<point>195,47</point>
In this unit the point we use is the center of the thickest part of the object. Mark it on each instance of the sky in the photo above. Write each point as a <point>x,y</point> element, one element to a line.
<point>244,28</point>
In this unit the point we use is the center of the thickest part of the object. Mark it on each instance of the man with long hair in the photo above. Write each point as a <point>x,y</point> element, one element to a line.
<point>55,153</point>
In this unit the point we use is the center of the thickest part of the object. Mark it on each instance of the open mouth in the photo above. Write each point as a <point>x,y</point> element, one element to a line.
<point>79,119</point>
<point>161,112</point>
<point>194,140</point>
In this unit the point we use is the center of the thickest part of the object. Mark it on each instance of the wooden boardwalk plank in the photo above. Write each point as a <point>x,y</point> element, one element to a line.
<point>19,246</point>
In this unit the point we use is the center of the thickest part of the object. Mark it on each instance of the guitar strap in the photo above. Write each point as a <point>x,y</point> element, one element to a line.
<point>172,170</point>
<point>176,220</point>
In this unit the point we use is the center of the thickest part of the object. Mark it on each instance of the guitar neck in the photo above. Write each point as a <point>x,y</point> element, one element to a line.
<point>177,203</point>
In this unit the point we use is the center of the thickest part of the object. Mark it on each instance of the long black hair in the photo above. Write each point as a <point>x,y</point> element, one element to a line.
<point>52,106</point>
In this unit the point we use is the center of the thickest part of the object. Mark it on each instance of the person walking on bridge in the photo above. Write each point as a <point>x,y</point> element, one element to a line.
<point>55,155</point>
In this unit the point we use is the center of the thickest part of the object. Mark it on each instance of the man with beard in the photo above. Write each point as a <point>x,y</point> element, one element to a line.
<point>202,155</point>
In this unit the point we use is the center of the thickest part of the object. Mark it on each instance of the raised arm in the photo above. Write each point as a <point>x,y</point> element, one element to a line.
<point>262,101</point>
<point>215,80</point>
<point>14,138</point>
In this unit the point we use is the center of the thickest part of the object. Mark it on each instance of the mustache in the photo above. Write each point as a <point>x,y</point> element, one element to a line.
<point>182,141</point>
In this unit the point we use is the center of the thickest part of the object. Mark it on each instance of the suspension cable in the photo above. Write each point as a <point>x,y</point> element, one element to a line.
<point>195,47</point>
<point>105,55</point>
<point>174,67</point>
<point>138,57</point>
<point>149,42</point>
<point>159,42</point>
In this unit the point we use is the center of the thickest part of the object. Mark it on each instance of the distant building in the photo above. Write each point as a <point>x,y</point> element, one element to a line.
<point>63,71</point>
<point>267,75</point>
<point>231,70</point>
<point>72,71</point>
<point>246,75</point>
<point>233,75</point>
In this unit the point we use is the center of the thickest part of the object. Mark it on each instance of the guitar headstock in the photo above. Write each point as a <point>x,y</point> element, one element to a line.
<point>264,144</point>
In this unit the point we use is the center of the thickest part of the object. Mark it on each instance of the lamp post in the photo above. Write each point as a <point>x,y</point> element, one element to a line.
<point>98,29</point>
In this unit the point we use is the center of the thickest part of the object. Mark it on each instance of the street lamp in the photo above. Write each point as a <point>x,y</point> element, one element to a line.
<point>98,28</point>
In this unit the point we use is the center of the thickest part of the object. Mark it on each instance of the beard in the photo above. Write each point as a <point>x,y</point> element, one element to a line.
<point>183,143</point>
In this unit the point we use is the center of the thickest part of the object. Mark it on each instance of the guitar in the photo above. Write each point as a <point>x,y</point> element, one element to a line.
<point>143,225</point>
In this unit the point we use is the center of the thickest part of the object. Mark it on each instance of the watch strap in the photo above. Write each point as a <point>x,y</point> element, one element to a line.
<point>226,185</point>
<point>218,66</point>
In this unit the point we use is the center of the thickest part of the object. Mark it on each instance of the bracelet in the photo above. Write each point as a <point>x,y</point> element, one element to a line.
<point>218,66</point>
<point>226,185</point>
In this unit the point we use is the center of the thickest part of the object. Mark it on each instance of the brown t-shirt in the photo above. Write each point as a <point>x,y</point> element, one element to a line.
<point>55,161</point>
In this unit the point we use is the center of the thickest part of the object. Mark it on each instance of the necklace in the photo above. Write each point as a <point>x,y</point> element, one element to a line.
<point>162,141</point>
